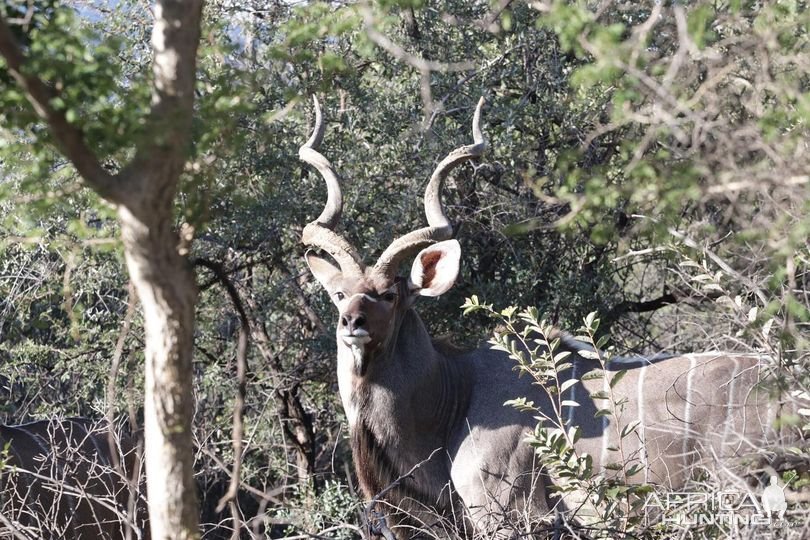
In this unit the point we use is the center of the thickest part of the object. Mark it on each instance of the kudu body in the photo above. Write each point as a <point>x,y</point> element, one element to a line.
<point>68,479</point>
<point>410,401</point>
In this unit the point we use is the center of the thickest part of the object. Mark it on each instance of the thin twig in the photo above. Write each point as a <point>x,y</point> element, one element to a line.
<point>375,519</point>
<point>241,385</point>
<point>115,364</point>
<point>396,50</point>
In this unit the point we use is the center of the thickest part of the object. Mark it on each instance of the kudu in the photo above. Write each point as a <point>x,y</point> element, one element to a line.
<point>68,479</point>
<point>406,396</point>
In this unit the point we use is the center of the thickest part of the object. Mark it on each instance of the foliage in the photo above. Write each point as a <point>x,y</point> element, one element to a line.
<point>332,512</point>
<point>647,162</point>
<point>706,113</point>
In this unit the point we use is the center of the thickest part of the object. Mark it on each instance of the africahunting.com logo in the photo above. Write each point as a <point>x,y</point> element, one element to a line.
<point>724,510</point>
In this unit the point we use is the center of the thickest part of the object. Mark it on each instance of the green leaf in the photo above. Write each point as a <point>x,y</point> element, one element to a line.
<point>589,320</point>
<point>617,378</point>
<point>629,428</point>
<point>593,375</point>
<point>635,469</point>
<point>560,356</point>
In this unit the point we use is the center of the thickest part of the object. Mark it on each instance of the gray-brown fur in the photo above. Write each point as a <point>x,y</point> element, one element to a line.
<point>60,480</point>
<point>495,474</point>
<point>407,399</point>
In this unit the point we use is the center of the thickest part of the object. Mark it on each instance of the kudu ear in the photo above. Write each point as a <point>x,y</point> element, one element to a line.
<point>435,269</point>
<point>325,272</point>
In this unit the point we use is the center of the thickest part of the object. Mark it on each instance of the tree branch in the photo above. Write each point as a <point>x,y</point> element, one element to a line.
<point>67,137</point>
<point>668,297</point>
<point>721,263</point>
<point>175,37</point>
<point>643,307</point>
<point>241,381</point>
<point>398,52</point>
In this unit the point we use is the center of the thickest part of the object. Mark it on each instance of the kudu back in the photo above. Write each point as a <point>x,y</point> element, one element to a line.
<point>69,479</point>
<point>407,399</point>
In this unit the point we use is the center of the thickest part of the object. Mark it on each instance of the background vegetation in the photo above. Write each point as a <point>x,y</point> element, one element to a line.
<point>648,161</point>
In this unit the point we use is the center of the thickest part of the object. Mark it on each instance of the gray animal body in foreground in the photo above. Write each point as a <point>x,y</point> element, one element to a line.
<point>405,397</point>
<point>60,479</point>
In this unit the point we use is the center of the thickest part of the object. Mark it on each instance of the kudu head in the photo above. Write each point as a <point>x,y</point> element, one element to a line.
<point>372,300</point>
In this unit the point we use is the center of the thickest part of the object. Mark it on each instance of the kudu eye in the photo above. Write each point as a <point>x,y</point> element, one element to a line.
<point>389,296</point>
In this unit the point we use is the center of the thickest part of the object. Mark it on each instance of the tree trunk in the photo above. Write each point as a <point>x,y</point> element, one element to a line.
<point>165,286</point>
<point>143,193</point>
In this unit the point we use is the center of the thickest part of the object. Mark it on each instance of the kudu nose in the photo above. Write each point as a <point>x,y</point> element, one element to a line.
<point>353,321</point>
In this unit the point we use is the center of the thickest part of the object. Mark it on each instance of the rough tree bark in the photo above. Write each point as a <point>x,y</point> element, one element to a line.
<point>143,193</point>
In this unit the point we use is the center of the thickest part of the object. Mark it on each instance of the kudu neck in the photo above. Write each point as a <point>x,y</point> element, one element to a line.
<point>408,380</point>
<point>409,353</point>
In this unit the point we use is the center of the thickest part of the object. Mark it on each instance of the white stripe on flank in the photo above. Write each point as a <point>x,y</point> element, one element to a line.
<point>569,420</point>
<point>687,413</point>
<point>640,430</point>
<point>605,424</point>
<point>730,406</point>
